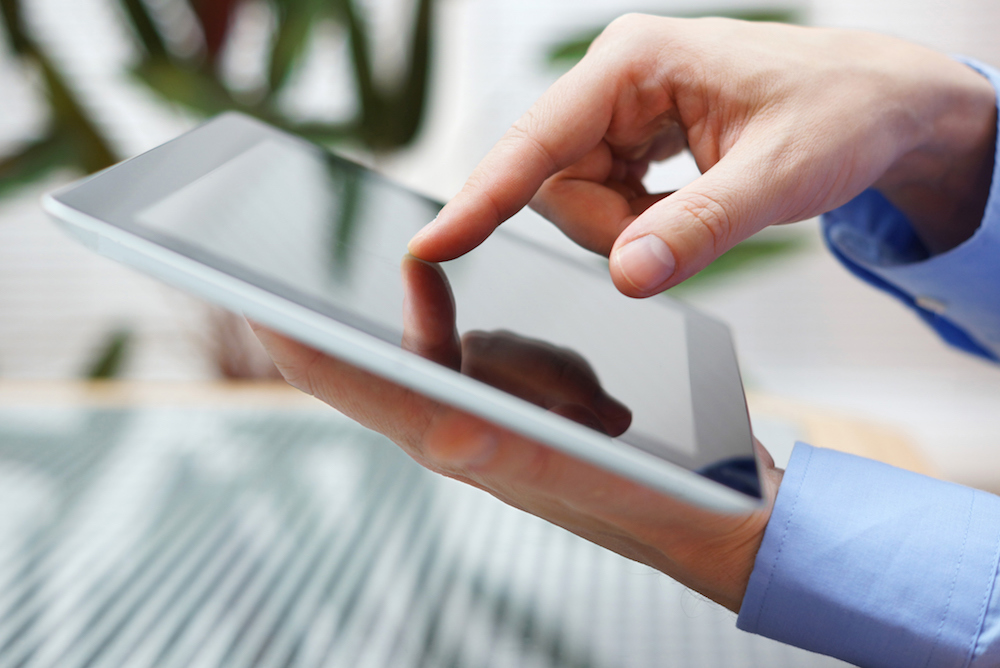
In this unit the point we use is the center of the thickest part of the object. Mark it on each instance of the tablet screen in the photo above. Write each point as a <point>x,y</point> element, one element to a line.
<point>322,232</point>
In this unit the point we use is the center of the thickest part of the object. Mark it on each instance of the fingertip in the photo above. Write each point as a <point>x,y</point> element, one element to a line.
<point>446,239</point>
<point>643,266</point>
<point>417,244</point>
<point>617,416</point>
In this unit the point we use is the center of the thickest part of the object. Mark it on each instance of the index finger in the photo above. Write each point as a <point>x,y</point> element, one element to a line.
<point>560,128</point>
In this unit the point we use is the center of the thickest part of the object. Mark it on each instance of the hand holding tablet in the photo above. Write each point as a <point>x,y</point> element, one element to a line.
<point>710,552</point>
<point>785,123</point>
<point>528,374</point>
<point>311,245</point>
<point>514,368</point>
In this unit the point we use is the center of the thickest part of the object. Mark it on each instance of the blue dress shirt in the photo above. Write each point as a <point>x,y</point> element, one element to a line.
<point>869,563</point>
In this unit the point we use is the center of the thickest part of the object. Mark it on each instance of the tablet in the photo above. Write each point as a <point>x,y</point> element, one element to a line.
<point>313,245</point>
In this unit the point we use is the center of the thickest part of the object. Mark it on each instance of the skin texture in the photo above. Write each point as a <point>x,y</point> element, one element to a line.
<point>785,123</point>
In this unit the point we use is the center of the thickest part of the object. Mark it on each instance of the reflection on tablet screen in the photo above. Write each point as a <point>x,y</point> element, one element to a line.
<point>321,232</point>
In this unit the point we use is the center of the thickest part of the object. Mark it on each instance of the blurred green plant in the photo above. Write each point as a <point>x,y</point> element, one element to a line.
<point>110,358</point>
<point>748,254</point>
<point>388,116</point>
<point>71,139</point>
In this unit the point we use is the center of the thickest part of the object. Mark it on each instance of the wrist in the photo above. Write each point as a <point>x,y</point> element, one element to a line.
<point>747,542</point>
<point>725,570</point>
<point>941,185</point>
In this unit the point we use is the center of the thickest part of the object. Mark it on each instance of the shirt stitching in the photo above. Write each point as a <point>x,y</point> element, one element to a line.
<point>984,607</point>
<point>954,583</point>
<point>781,543</point>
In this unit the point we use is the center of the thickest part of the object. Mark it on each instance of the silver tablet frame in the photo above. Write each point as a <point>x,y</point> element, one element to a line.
<point>230,135</point>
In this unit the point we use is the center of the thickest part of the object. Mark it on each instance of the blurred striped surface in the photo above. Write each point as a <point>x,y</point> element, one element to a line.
<point>240,537</point>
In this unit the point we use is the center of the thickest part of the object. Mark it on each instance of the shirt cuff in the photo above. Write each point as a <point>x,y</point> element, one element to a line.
<point>876,565</point>
<point>956,292</point>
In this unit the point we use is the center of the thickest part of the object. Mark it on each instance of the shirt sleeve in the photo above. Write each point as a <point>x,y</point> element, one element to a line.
<point>957,292</point>
<point>878,566</point>
<point>869,563</point>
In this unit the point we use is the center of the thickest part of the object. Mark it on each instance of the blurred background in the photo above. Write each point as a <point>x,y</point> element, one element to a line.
<point>420,89</point>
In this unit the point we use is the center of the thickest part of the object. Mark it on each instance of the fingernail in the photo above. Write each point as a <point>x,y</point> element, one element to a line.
<point>646,263</point>
<point>422,233</point>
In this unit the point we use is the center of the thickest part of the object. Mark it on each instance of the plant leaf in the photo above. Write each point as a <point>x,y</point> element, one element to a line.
<point>111,357</point>
<point>367,94</point>
<point>10,10</point>
<point>323,133</point>
<point>192,88</point>
<point>91,150</point>
<point>572,51</point>
<point>33,162</point>
<point>407,106</point>
<point>200,91</point>
<point>745,255</point>
<point>390,119</point>
<point>73,138</point>
<point>295,22</point>
<point>145,28</point>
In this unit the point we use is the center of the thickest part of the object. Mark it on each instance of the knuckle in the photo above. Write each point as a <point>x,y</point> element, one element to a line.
<point>477,346</point>
<point>628,31</point>
<point>711,216</point>
<point>525,132</point>
<point>479,186</point>
<point>303,375</point>
<point>627,23</point>
<point>572,372</point>
<point>427,443</point>
<point>474,340</point>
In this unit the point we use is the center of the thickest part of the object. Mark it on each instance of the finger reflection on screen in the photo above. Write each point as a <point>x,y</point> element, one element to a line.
<point>429,313</point>
<point>552,377</point>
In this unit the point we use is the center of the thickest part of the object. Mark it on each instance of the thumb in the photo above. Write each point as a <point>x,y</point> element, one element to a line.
<point>680,235</point>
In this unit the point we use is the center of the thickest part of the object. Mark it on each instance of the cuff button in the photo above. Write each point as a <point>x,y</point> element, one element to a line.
<point>931,304</point>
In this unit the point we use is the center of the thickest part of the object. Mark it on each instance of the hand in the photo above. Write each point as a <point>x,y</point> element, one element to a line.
<point>711,553</point>
<point>784,122</point>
